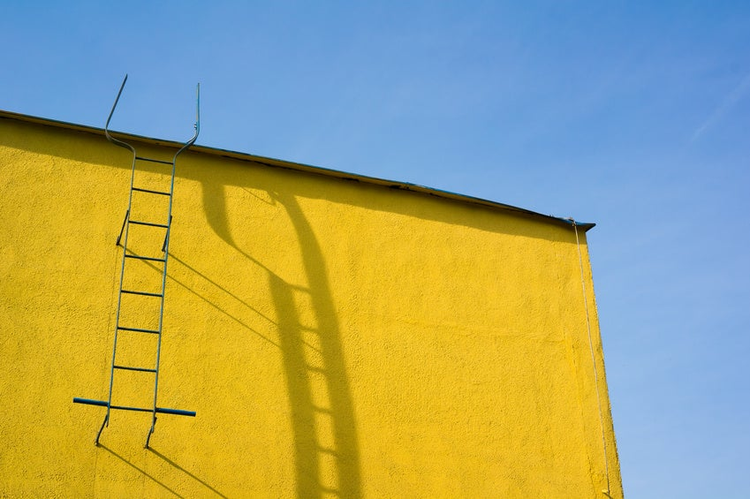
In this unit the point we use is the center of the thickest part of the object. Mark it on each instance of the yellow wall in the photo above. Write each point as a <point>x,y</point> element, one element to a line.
<point>336,339</point>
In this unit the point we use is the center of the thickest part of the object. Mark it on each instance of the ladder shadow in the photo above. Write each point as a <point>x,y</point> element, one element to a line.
<point>237,298</point>
<point>218,308</point>
<point>141,471</point>
<point>172,278</point>
<point>327,457</point>
<point>183,470</point>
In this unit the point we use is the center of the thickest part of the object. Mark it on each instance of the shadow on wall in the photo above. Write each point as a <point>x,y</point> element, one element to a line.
<point>323,421</point>
<point>93,148</point>
<point>186,472</point>
<point>327,456</point>
<point>140,470</point>
<point>324,429</point>
<point>156,480</point>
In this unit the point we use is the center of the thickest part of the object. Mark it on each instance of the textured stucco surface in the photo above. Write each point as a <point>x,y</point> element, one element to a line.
<point>336,339</point>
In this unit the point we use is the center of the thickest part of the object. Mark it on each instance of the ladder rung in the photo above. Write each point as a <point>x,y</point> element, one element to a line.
<point>146,258</point>
<point>143,293</point>
<point>151,160</point>
<point>150,191</point>
<point>137,222</point>
<point>163,410</point>
<point>137,329</point>
<point>141,369</point>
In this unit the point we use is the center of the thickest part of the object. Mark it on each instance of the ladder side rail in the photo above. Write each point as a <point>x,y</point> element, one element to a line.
<point>189,143</point>
<point>197,126</point>
<point>112,139</point>
<point>161,321</point>
<point>124,250</point>
<point>120,293</point>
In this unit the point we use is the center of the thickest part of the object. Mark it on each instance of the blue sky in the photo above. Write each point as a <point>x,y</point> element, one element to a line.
<point>633,115</point>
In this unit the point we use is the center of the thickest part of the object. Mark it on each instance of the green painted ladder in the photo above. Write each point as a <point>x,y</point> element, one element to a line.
<point>158,262</point>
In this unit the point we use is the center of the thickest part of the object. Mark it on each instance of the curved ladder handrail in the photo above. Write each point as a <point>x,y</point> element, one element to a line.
<point>196,126</point>
<point>121,143</point>
<point>115,141</point>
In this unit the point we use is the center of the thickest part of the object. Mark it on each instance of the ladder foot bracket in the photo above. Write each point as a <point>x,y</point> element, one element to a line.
<point>104,423</point>
<point>150,432</point>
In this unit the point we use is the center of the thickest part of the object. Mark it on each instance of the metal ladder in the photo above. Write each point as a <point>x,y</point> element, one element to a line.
<point>154,261</point>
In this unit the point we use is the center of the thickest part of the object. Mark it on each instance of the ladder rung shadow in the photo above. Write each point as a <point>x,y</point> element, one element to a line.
<point>142,293</point>
<point>138,330</point>
<point>149,258</point>
<point>152,160</point>
<point>139,369</point>
<point>151,224</point>
<point>151,192</point>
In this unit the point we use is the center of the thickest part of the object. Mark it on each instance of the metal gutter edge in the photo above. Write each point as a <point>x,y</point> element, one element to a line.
<point>279,163</point>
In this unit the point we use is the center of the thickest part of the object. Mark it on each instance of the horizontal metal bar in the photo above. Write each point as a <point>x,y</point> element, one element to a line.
<point>138,222</point>
<point>141,369</point>
<point>143,293</point>
<point>176,412</point>
<point>150,191</point>
<point>138,330</point>
<point>151,160</point>
<point>163,410</point>
<point>145,258</point>
<point>102,403</point>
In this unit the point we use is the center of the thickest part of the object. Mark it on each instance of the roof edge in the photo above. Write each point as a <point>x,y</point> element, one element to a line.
<point>318,170</point>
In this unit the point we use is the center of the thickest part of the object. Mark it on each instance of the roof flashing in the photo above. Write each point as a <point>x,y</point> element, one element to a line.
<point>279,163</point>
